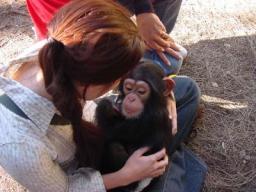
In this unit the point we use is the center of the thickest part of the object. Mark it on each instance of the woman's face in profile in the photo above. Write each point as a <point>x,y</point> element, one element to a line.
<point>95,91</point>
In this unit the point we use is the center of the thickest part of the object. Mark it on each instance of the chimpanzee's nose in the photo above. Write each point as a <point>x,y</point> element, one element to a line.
<point>131,98</point>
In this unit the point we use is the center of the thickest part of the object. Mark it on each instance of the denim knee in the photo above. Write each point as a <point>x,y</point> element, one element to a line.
<point>194,90</point>
<point>168,69</point>
<point>186,91</point>
<point>187,94</point>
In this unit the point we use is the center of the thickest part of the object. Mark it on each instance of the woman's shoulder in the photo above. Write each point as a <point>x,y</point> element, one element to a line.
<point>19,133</point>
<point>28,55</point>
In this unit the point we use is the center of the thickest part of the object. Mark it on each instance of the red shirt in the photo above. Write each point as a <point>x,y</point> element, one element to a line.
<point>41,12</point>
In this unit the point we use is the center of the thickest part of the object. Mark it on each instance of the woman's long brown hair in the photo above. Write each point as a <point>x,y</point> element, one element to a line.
<point>93,42</point>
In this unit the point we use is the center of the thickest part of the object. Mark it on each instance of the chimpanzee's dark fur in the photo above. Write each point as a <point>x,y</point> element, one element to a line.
<point>152,128</point>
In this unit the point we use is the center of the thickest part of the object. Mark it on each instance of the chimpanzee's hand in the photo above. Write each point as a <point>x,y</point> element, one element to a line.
<point>139,167</point>
<point>105,110</point>
<point>172,113</point>
<point>105,115</point>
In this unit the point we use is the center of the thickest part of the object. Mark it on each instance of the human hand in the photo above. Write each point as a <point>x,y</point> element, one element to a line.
<point>173,50</point>
<point>155,37</point>
<point>172,112</point>
<point>139,167</point>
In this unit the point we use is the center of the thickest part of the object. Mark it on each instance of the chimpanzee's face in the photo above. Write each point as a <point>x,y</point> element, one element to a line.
<point>136,95</point>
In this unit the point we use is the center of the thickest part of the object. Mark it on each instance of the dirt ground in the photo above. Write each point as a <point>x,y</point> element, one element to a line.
<point>221,38</point>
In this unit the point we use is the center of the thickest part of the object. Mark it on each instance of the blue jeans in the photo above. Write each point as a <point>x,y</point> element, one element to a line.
<point>174,68</point>
<point>187,95</point>
<point>167,11</point>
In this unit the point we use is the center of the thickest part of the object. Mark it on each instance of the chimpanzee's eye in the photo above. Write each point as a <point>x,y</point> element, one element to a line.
<point>128,87</point>
<point>141,92</point>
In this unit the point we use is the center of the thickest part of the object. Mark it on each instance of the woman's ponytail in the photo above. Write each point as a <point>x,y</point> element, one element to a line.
<point>65,97</point>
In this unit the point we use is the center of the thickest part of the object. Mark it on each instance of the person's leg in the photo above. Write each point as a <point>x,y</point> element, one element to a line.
<point>187,95</point>
<point>167,11</point>
<point>128,4</point>
<point>174,68</point>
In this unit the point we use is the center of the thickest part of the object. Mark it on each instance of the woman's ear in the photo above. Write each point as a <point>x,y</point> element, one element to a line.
<point>169,85</point>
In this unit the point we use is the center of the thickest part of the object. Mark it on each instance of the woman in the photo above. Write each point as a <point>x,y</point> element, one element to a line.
<point>94,43</point>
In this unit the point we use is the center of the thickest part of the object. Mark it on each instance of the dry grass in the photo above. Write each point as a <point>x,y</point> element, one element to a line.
<point>221,38</point>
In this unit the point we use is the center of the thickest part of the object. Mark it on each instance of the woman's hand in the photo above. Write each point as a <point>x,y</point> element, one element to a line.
<point>136,168</point>
<point>139,167</point>
<point>154,34</point>
<point>172,113</point>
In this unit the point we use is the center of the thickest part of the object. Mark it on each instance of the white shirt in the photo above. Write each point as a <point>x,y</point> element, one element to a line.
<point>38,155</point>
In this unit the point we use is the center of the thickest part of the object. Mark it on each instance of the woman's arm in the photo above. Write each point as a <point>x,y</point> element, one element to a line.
<point>32,165</point>
<point>116,179</point>
<point>138,167</point>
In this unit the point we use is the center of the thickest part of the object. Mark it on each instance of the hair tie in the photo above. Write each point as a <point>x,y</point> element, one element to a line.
<point>56,42</point>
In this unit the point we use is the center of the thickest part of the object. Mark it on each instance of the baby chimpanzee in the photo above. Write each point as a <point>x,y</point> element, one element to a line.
<point>139,117</point>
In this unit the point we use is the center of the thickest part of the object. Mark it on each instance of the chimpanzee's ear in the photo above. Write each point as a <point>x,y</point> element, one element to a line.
<point>169,85</point>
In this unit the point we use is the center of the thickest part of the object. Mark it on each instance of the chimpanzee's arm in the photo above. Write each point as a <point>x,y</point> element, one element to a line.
<point>156,142</point>
<point>107,117</point>
<point>115,157</point>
